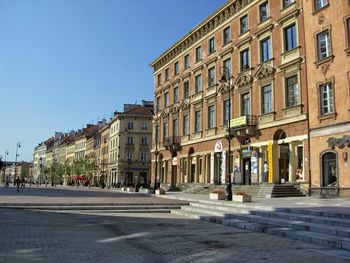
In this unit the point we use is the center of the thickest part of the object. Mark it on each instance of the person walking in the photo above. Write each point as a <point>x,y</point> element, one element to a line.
<point>18,183</point>
<point>7,184</point>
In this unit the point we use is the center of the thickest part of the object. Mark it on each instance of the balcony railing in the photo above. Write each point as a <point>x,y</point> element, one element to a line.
<point>247,120</point>
<point>171,141</point>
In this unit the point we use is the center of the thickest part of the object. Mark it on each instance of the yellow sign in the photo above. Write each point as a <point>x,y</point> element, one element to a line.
<point>270,162</point>
<point>238,121</point>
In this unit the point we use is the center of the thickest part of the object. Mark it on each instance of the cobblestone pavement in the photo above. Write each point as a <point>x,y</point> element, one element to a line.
<point>41,236</point>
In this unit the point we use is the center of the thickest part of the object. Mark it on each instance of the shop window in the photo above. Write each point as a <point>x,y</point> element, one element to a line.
<point>329,169</point>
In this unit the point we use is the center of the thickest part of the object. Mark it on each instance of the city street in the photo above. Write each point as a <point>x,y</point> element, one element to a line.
<point>28,235</point>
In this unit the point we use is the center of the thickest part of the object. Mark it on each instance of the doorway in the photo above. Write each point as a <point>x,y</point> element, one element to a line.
<point>246,172</point>
<point>283,163</point>
<point>173,175</point>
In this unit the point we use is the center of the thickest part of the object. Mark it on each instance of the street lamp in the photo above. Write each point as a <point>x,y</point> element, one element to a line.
<point>18,145</point>
<point>6,153</point>
<point>41,170</point>
<point>226,80</point>
<point>126,179</point>
<point>156,152</point>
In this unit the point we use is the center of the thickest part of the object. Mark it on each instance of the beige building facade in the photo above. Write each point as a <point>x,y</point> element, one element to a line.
<point>328,62</point>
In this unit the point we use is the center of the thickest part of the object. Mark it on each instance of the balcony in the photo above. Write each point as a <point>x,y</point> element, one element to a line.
<point>244,126</point>
<point>173,144</point>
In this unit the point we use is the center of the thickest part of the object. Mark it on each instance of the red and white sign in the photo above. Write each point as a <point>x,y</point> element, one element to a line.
<point>218,147</point>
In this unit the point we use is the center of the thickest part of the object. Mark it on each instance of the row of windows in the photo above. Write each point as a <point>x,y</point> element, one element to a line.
<point>144,126</point>
<point>143,156</point>
<point>144,141</point>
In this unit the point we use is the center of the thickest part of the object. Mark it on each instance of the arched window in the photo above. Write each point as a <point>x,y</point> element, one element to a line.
<point>329,169</point>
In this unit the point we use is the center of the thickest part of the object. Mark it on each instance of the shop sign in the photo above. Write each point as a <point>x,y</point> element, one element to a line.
<point>249,151</point>
<point>175,161</point>
<point>240,121</point>
<point>218,147</point>
<point>339,142</point>
<point>270,162</point>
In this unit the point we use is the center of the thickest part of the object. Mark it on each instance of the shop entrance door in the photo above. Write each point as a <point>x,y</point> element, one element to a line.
<point>284,163</point>
<point>246,172</point>
<point>173,175</point>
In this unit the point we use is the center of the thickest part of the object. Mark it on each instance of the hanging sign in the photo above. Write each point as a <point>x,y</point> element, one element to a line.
<point>218,147</point>
<point>270,162</point>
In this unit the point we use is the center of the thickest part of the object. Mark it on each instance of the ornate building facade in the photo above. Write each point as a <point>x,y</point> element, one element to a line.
<point>258,48</point>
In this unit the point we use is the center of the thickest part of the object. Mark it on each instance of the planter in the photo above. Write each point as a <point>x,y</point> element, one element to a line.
<point>123,188</point>
<point>160,192</point>
<point>242,198</point>
<point>217,196</point>
<point>146,191</point>
<point>130,189</point>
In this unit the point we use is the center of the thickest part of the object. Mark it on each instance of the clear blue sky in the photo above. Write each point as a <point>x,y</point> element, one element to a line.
<point>65,63</point>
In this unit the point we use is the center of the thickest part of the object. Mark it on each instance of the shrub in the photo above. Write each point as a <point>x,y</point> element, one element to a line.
<point>218,191</point>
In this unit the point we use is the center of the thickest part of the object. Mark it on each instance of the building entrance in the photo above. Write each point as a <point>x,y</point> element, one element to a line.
<point>246,171</point>
<point>283,163</point>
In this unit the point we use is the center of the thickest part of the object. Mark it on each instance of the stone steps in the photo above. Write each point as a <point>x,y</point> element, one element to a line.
<point>330,228</point>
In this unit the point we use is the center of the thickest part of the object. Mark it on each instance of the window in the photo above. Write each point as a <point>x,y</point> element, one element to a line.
<point>198,81</point>
<point>266,99</point>
<point>264,11</point>
<point>166,99</point>
<point>176,94</point>
<point>175,127</point>
<point>265,49</point>
<point>158,104</point>
<point>130,125</point>
<point>292,91</point>
<point>186,123</point>
<point>286,3</point>
<point>159,79</point>
<point>130,141</point>
<point>320,3</point>
<point>323,45</point>
<point>143,156</point>
<point>157,134</point>
<point>187,61</point>
<point>227,35</point>
<point>144,126</point>
<point>326,96</point>
<point>226,111</point>
<point>290,37</point>
<point>144,141</point>
<point>244,24</point>
<point>198,54</point>
<point>211,117</point>
<point>167,74</point>
<point>211,45</point>
<point>211,77</point>
<point>198,121</point>
<point>245,104</point>
<point>186,89</point>
<point>176,68</point>
<point>227,65</point>
<point>129,156</point>
<point>244,59</point>
<point>165,130</point>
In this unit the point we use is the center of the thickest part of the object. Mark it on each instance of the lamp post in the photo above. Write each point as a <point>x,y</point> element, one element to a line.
<point>18,145</point>
<point>6,153</point>
<point>127,158</point>
<point>226,80</point>
<point>41,170</point>
<point>156,152</point>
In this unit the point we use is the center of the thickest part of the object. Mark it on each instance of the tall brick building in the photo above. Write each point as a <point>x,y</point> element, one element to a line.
<point>259,47</point>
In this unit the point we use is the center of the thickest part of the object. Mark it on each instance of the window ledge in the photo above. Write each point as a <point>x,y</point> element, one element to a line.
<point>226,44</point>
<point>288,6</point>
<point>243,33</point>
<point>324,60</point>
<point>327,116</point>
<point>290,51</point>
<point>320,9</point>
<point>264,21</point>
<point>347,51</point>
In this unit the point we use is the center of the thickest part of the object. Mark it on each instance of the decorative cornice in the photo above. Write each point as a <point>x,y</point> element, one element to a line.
<point>207,26</point>
<point>243,80</point>
<point>264,71</point>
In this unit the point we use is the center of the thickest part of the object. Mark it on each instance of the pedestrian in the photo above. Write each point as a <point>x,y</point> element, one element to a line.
<point>18,182</point>
<point>266,172</point>
<point>7,184</point>
<point>158,183</point>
